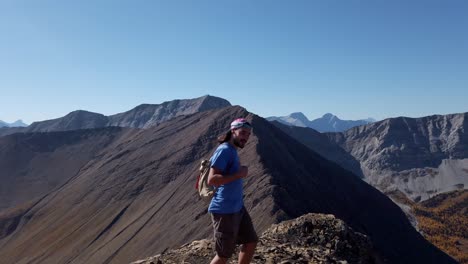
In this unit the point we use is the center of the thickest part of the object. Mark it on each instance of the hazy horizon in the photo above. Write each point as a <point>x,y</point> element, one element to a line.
<point>280,115</point>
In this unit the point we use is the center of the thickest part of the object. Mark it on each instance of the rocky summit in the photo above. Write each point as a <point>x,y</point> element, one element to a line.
<point>311,238</point>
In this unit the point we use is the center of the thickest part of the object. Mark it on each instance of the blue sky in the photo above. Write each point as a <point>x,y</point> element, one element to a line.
<point>356,59</point>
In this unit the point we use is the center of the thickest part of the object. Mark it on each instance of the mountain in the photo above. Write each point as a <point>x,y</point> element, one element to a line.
<point>33,164</point>
<point>320,143</point>
<point>142,116</point>
<point>17,123</point>
<point>327,123</point>
<point>420,157</point>
<point>331,123</point>
<point>147,115</point>
<point>128,193</point>
<point>295,119</point>
<point>73,121</point>
<point>293,241</point>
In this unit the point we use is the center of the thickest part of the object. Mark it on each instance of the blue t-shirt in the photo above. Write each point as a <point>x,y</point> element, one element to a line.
<point>228,197</point>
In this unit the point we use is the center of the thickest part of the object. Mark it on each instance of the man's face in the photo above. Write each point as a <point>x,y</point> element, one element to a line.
<point>241,136</point>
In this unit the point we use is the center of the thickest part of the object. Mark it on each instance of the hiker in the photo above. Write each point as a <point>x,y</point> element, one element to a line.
<point>231,221</point>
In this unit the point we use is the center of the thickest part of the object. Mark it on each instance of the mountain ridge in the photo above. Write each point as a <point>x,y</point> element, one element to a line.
<point>141,116</point>
<point>136,192</point>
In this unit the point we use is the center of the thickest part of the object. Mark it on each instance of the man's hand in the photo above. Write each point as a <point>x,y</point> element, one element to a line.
<point>215,178</point>
<point>243,171</point>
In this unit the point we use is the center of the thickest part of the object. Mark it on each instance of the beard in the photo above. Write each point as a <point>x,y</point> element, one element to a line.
<point>239,143</point>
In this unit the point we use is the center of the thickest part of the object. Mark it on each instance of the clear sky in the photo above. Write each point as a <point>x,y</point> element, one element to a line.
<point>356,59</point>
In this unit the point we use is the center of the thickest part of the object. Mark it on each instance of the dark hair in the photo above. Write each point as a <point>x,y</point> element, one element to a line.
<point>225,137</point>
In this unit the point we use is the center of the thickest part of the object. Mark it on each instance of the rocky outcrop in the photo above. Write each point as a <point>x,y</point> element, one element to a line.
<point>312,238</point>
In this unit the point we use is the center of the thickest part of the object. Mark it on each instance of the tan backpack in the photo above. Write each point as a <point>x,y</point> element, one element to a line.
<point>205,190</point>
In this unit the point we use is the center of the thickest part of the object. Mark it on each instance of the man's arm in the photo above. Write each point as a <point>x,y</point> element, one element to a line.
<point>216,178</point>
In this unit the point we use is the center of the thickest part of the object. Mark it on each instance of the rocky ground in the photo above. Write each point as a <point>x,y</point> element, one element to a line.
<point>312,238</point>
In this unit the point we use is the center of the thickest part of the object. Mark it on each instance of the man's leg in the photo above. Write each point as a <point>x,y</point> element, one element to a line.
<point>219,260</point>
<point>225,228</point>
<point>247,237</point>
<point>246,253</point>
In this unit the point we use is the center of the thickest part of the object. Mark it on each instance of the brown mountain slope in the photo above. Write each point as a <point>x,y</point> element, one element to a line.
<point>320,143</point>
<point>34,164</point>
<point>137,197</point>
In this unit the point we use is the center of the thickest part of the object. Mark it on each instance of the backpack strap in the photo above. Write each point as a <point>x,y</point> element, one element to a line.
<point>230,163</point>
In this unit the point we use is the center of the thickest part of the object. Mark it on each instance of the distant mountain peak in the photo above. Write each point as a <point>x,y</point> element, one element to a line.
<point>212,102</point>
<point>17,123</point>
<point>207,96</point>
<point>329,116</point>
<point>327,123</point>
<point>147,115</point>
<point>206,99</point>
<point>81,112</point>
<point>294,119</point>
<point>299,115</point>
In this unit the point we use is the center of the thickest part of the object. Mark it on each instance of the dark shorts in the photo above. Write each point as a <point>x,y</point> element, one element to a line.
<point>232,229</point>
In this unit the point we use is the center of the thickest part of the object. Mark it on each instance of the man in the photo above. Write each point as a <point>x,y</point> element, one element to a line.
<point>231,221</point>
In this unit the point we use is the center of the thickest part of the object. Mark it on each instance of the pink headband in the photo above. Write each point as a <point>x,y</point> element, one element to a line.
<point>240,122</point>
